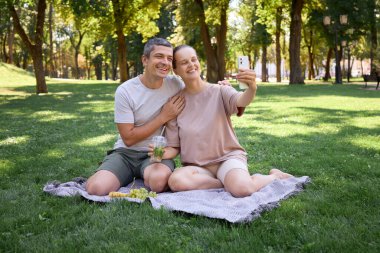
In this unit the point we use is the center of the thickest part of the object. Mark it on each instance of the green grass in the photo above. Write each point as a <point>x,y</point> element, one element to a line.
<point>12,76</point>
<point>328,132</point>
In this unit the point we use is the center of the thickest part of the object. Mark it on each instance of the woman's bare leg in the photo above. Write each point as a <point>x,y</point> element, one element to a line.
<point>280,174</point>
<point>193,178</point>
<point>239,183</point>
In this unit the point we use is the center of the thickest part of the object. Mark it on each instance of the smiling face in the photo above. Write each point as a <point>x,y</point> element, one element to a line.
<point>187,65</point>
<point>159,62</point>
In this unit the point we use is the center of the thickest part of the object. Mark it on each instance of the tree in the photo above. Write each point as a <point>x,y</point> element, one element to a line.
<point>110,55</point>
<point>267,12</point>
<point>78,22</point>
<point>122,17</point>
<point>210,17</point>
<point>6,35</point>
<point>34,41</point>
<point>134,40</point>
<point>51,68</point>
<point>373,35</point>
<point>278,45</point>
<point>263,38</point>
<point>296,76</point>
<point>129,16</point>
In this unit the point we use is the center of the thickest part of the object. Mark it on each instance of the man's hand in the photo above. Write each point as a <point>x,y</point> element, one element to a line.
<point>173,107</point>
<point>247,76</point>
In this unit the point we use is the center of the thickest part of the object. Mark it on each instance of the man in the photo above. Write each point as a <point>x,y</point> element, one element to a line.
<point>142,106</point>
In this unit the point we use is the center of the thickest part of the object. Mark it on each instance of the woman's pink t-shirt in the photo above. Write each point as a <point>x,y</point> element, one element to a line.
<point>203,131</point>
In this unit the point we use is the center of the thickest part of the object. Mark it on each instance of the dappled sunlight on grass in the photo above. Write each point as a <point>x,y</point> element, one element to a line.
<point>15,140</point>
<point>98,140</point>
<point>94,102</point>
<point>47,116</point>
<point>11,76</point>
<point>6,165</point>
<point>286,130</point>
<point>372,122</point>
<point>59,93</point>
<point>12,92</point>
<point>97,106</point>
<point>368,142</point>
<point>55,153</point>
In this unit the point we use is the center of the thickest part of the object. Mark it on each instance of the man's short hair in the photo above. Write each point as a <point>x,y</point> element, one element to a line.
<point>149,46</point>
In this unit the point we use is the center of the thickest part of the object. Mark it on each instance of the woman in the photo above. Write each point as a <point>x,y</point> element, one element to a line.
<point>204,136</point>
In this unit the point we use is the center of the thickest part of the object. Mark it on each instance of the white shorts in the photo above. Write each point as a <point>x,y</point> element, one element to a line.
<point>220,170</point>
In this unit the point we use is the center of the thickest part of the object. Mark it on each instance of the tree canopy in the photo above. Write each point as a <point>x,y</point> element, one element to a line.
<point>104,39</point>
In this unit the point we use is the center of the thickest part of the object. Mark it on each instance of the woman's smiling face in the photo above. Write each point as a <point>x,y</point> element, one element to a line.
<point>187,65</point>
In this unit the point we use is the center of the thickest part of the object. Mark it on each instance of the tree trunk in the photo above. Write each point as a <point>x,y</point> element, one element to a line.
<point>25,57</point>
<point>36,48</point>
<point>121,43</point>
<point>278,45</point>
<point>221,39</point>
<point>11,36</point>
<point>311,73</point>
<point>255,57</point>
<point>327,66</point>
<point>77,48</point>
<point>284,53</point>
<point>361,66</point>
<point>210,52</point>
<point>373,42</point>
<point>76,55</point>
<point>52,71</point>
<point>296,76</point>
<point>114,66</point>
<point>4,49</point>
<point>98,62</point>
<point>88,63</point>
<point>39,71</point>
<point>106,67</point>
<point>122,56</point>
<point>264,74</point>
<point>214,53</point>
<point>310,59</point>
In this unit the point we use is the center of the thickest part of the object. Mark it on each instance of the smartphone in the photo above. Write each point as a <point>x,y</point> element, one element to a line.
<point>243,63</point>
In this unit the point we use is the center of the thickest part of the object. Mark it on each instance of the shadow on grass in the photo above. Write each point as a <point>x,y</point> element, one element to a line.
<point>291,91</point>
<point>65,134</point>
<point>315,115</point>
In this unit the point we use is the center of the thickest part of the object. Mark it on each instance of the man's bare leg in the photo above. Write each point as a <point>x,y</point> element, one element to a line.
<point>102,183</point>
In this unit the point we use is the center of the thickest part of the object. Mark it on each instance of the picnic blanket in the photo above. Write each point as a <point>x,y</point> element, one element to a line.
<point>212,203</point>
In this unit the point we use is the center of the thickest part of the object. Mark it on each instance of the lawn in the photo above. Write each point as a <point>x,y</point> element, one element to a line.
<point>328,132</point>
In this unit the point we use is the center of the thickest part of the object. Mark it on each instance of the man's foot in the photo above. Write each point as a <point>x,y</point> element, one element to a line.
<point>279,174</point>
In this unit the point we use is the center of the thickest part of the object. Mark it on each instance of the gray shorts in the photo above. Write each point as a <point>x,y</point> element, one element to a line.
<point>128,164</point>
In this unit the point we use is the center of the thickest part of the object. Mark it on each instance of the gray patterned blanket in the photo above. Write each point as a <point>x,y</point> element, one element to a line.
<point>213,203</point>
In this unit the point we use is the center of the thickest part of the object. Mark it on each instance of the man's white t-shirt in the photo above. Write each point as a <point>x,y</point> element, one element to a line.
<point>135,103</point>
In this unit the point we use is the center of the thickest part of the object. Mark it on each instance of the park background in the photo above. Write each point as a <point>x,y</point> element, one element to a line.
<point>305,120</point>
<point>287,40</point>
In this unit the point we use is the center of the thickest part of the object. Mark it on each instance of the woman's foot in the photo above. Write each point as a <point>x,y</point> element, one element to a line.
<point>279,174</point>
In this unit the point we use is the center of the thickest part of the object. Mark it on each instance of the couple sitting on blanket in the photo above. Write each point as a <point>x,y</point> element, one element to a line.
<point>198,127</point>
